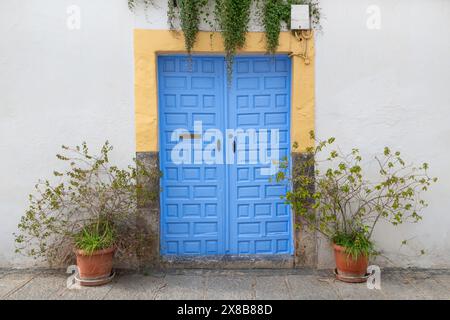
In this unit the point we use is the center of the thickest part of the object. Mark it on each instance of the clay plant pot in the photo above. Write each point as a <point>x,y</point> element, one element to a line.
<point>349,269</point>
<point>95,266</point>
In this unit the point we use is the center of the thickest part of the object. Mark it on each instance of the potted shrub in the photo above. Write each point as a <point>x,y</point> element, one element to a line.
<point>333,195</point>
<point>93,210</point>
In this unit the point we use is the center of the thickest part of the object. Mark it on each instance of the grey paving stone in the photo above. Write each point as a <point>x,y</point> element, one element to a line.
<point>429,285</point>
<point>41,287</point>
<point>395,287</point>
<point>274,287</point>
<point>181,287</point>
<point>87,293</point>
<point>135,287</point>
<point>444,280</point>
<point>13,281</point>
<point>311,287</point>
<point>357,291</point>
<point>231,287</point>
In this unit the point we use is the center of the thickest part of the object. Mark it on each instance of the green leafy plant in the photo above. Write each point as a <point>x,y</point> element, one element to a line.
<point>232,17</point>
<point>190,13</point>
<point>91,205</point>
<point>332,193</point>
<point>97,236</point>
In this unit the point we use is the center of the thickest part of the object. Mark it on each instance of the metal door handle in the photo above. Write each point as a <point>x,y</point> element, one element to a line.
<point>234,146</point>
<point>218,145</point>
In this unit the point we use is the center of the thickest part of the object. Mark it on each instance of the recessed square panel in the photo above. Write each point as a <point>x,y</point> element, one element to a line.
<point>281,209</point>
<point>172,210</point>
<point>191,247</point>
<point>170,101</point>
<point>205,118</point>
<point>243,66</point>
<point>208,101</point>
<point>261,65</point>
<point>172,173</point>
<point>263,209</point>
<point>208,66</point>
<point>276,227</point>
<point>261,101</point>
<point>203,228</point>
<point>202,83</point>
<point>188,65</point>
<point>191,174</point>
<point>248,192</point>
<point>282,246</point>
<point>248,228</point>
<point>191,210</point>
<point>280,100</point>
<point>211,210</point>
<point>177,228</point>
<point>169,65</point>
<point>172,247</point>
<point>243,210</point>
<point>281,65</point>
<point>243,174</point>
<point>175,82</point>
<point>205,192</point>
<point>247,83</point>
<point>188,101</point>
<point>211,247</point>
<point>210,173</point>
<point>242,102</point>
<point>263,246</point>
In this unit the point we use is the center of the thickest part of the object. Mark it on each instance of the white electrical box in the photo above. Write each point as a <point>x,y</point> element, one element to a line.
<point>300,19</point>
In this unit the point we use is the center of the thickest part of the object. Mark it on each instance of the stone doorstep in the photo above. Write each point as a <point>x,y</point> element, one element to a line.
<point>229,262</point>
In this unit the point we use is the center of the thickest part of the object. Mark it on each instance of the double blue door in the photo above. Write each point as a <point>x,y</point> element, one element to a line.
<point>217,197</point>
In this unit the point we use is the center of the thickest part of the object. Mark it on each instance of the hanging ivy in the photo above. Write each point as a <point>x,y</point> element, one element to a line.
<point>189,12</point>
<point>232,17</point>
<point>273,14</point>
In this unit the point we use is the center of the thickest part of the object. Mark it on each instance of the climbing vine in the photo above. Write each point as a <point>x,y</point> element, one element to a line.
<point>190,13</point>
<point>232,17</point>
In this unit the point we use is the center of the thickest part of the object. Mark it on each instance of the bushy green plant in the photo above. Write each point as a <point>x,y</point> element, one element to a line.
<point>332,193</point>
<point>97,236</point>
<point>92,205</point>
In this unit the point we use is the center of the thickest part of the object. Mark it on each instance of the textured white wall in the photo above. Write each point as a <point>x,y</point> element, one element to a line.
<point>59,86</point>
<point>374,88</point>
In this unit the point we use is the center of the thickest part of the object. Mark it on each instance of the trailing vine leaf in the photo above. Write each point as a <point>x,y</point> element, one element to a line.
<point>189,13</point>
<point>273,14</point>
<point>232,17</point>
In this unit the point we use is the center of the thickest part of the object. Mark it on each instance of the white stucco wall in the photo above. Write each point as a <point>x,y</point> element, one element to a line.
<point>374,88</point>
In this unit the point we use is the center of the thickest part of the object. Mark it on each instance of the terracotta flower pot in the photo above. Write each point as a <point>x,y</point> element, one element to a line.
<point>94,266</point>
<point>349,269</point>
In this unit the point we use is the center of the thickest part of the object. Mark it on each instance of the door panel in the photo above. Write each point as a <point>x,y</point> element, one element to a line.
<point>192,202</point>
<point>260,222</point>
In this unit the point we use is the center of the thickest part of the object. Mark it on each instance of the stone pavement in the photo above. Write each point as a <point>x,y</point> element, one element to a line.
<point>227,284</point>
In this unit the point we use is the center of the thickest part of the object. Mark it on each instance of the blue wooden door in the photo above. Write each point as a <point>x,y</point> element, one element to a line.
<point>192,201</point>
<point>215,209</point>
<point>260,222</point>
